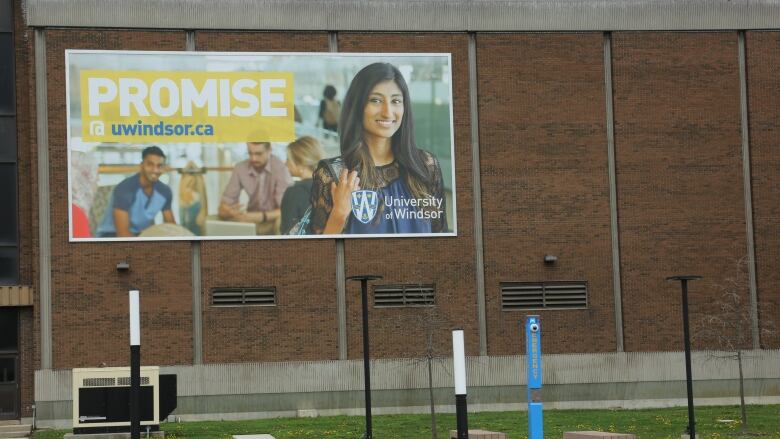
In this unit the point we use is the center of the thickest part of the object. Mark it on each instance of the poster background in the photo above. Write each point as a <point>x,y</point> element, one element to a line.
<point>96,167</point>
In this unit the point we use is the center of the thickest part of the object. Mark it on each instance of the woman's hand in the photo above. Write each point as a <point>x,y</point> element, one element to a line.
<point>341,192</point>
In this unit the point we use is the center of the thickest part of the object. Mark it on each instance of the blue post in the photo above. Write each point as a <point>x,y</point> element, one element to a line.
<point>533,352</point>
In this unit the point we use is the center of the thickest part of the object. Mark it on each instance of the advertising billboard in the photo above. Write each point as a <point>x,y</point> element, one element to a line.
<point>204,145</point>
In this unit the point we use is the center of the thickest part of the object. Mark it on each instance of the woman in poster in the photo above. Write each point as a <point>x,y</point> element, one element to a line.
<point>394,186</point>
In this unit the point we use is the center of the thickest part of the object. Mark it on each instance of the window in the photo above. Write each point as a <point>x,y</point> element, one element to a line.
<point>6,16</point>
<point>8,226</point>
<point>263,296</point>
<point>9,329</point>
<point>7,139</point>
<point>544,295</point>
<point>7,84</point>
<point>404,295</point>
<point>9,233</point>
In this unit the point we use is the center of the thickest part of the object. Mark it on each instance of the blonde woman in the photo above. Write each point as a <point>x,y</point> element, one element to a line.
<point>302,158</point>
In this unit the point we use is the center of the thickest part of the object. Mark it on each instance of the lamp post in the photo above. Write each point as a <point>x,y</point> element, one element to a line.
<point>135,364</point>
<point>686,333</point>
<point>459,372</point>
<point>366,365</point>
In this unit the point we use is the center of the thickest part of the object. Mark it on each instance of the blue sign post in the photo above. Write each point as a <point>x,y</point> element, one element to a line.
<point>533,352</point>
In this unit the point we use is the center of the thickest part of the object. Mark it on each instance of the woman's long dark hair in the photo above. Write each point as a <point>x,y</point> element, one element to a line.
<point>351,132</point>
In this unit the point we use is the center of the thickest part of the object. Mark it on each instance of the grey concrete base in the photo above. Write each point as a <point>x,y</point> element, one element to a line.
<point>112,435</point>
<point>329,388</point>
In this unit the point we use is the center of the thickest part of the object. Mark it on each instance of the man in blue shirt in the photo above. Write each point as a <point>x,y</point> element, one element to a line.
<point>139,198</point>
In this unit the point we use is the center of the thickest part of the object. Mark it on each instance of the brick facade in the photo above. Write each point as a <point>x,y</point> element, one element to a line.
<point>89,298</point>
<point>447,262</point>
<point>27,199</point>
<point>545,190</point>
<point>303,326</point>
<point>679,177</point>
<point>763,57</point>
<point>545,187</point>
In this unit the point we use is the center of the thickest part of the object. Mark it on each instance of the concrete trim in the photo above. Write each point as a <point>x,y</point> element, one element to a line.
<point>197,284</point>
<point>197,306</point>
<point>190,42</point>
<point>479,252</point>
<point>341,276</point>
<point>44,214</point>
<point>409,15</point>
<point>501,398</point>
<point>16,295</point>
<point>613,209</point>
<point>409,373</point>
<point>747,184</point>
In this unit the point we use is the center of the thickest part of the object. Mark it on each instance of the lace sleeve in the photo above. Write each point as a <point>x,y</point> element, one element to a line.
<point>438,225</point>
<point>321,199</point>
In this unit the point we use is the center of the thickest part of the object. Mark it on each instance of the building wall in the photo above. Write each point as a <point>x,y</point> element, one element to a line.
<point>27,200</point>
<point>542,138</point>
<point>543,154</point>
<point>679,177</point>
<point>447,262</point>
<point>303,326</point>
<point>89,298</point>
<point>763,57</point>
<point>545,190</point>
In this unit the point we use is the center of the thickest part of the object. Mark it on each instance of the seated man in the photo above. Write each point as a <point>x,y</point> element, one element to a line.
<point>264,178</point>
<point>138,199</point>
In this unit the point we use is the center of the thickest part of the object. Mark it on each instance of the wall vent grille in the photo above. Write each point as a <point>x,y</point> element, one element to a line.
<point>404,295</point>
<point>544,295</point>
<point>263,296</point>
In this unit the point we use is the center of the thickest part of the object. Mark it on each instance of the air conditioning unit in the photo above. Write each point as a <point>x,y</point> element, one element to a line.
<point>101,399</point>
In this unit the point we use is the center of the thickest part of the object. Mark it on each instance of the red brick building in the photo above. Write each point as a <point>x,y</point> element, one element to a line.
<point>632,145</point>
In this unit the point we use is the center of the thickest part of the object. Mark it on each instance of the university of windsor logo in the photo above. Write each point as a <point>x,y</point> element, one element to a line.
<point>365,204</point>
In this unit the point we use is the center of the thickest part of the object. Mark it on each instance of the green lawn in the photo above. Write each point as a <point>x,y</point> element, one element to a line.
<point>651,423</point>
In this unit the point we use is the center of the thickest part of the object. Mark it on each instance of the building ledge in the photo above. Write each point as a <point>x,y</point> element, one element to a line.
<point>16,295</point>
<point>408,15</point>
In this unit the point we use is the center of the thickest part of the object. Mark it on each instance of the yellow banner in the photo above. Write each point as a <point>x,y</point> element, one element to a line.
<point>175,106</point>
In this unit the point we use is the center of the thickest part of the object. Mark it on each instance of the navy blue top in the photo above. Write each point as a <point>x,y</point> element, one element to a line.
<point>392,218</point>
<point>141,208</point>
<point>397,210</point>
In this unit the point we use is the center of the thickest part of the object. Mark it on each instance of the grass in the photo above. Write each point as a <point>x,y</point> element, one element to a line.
<point>764,422</point>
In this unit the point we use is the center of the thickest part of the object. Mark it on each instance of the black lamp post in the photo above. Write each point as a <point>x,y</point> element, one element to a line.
<point>686,332</point>
<point>366,365</point>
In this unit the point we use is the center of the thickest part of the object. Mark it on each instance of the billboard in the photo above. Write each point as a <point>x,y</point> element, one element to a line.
<point>205,145</point>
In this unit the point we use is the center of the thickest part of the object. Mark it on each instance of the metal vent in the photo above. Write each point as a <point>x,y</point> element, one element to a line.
<point>411,295</point>
<point>98,382</point>
<point>125,381</point>
<point>264,296</point>
<point>544,295</point>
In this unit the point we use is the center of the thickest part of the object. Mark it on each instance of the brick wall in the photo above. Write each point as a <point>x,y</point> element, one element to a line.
<point>679,177</point>
<point>89,299</point>
<point>763,57</point>
<point>544,191</point>
<point>303,325</point>
<point>447,262</point>
<point>25,166</point>
<point>545,187</point>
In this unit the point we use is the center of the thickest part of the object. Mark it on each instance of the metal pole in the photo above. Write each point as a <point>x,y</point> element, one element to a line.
<point>366,363</point>
<point>135,365</point>
<point>686,333</point>
<point>533,355</point>
<point>459,372</point>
